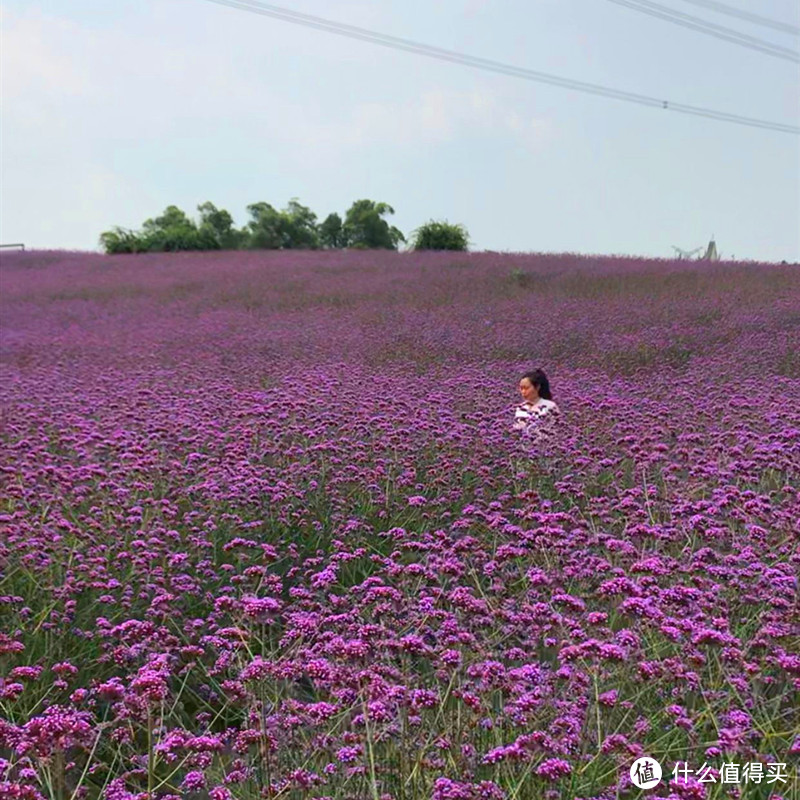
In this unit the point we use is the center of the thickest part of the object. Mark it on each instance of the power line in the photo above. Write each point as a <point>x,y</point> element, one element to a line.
<point>757,19</point>
<point>710,28</point>
<point>407,45</point>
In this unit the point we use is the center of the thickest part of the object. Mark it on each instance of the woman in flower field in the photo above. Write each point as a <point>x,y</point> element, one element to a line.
<point>537,417</point>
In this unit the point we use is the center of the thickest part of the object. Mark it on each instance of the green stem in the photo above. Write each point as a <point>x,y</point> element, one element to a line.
<point>373,782</point>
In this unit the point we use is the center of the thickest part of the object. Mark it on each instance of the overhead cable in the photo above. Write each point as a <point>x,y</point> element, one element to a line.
<point>398,43</point>
<point>709,28</point>
<point>756,19</point>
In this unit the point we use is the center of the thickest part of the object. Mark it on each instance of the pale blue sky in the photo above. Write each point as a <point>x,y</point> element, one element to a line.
<point>113,110</point>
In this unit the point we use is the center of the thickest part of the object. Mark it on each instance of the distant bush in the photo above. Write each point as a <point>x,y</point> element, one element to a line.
<point>436,235</point>
<point>522,278</point>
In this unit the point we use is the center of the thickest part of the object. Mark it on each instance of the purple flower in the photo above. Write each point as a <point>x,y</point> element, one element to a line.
<point>554,768</point>
<point>193,781</point>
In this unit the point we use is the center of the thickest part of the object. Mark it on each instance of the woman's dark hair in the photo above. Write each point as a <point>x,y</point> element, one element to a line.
<point>539,380</point>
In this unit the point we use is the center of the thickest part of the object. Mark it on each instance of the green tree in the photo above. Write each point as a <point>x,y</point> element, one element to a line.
<point>293,228</point>
<point>299,227</point>
<point>435,235</point>
<point>264,227</point>
<point>120,240</point>
<point>216,225</point>
<point>364,226</point>
<point>331,232</point>
<point>174,231</point>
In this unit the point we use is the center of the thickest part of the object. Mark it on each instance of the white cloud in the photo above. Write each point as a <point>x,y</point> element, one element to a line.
<point>436,117</point>
<point>34,57</point>
<point>146,90</point>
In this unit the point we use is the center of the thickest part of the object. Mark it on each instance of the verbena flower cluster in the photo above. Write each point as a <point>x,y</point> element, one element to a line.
<point>265,529</point>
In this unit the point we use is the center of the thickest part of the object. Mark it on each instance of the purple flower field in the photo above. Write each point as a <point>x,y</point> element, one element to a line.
<point>266,530</point>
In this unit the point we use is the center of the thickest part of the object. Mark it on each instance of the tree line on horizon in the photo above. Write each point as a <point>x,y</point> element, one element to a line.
<point>293,228</point>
